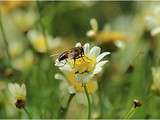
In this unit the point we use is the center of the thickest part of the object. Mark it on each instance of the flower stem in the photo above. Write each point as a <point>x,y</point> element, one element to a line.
<point>63,111</point>
<point>130,113</point>
<point>69,101</point>
<point>4,37</point>
<point>89,102</point>
<point>42,26</point>
<point>28,114</point>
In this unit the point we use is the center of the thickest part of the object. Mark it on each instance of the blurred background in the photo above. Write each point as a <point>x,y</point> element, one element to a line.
<point>129,30</point>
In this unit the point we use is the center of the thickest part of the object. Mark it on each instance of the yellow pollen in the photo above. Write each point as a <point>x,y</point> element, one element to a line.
<point>83,64</point>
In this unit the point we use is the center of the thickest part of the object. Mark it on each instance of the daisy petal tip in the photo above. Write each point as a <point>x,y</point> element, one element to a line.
<point>78,45</point>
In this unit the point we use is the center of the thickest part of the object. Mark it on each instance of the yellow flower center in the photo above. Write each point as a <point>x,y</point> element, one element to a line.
<point>91,85</point>
<point>40,44</point>
<point>83,64</point>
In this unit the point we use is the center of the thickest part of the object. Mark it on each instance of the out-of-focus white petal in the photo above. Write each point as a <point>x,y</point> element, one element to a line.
<point>11,88</point>
<point>32,34</point>
<point>78,45</point>
<point>86,49</point>
<point>120,44</point>
<point>91,33</point>
<point>95,51</point>
<point>23,89</point>
<point>59,76</point>
<point>155,31</point>
<point>71,90</point>
<point>101,56</point>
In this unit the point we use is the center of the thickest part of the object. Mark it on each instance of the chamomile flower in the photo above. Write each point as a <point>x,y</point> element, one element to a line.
<point>156,80</point>
<point>38,41</point>
<point>24,20</point>
<point>86,67</point>
<point>15,48</point>
<point>106,36</point>
<point>18,93</point>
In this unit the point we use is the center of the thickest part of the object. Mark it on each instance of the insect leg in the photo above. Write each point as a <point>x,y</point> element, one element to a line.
<point>82,57</point>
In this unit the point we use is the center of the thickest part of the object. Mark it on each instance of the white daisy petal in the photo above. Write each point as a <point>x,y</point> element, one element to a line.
<point>86,49</point>
<point>97,70</point>
<point>78,45</point>
<point>101,56</point>
<point>66,67</point>
<point>60,63</point>
<point>100,64</point>
<point>98,67</point>
<point>95,51</point>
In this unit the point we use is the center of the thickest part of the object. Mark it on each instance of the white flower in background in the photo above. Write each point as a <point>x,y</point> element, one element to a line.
<point>38,41</point>
<point>18,94</point>
<point>94,28</point>
<point>152,20</point>
<point>24,61</point>
<point>156,80</point>
<point>15,48</point>
<point>24,20</point>
<point>86,67</point>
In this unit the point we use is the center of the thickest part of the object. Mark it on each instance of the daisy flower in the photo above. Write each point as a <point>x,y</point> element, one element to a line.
<point>24,20</point>
<point>106,37</point>
<point>38,41</point>
<point>18,94</point>
<point>78,74</point>
<point>86,67</point>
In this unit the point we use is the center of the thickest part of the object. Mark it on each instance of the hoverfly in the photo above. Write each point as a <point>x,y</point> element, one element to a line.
<point>73,53</point>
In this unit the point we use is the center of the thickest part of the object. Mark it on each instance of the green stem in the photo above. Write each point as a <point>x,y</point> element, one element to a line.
<point>69,101</point>
<point>28,114</point>
<point>42,26</point>
<point>89,102</point>
<point>4,37</point>
<point>130,113</point>
<point>63,111</point>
